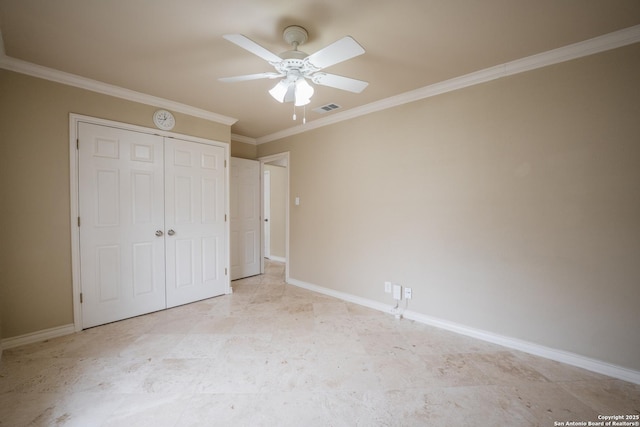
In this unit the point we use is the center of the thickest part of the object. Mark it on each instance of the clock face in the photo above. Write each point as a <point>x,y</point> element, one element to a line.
<point>164,119</point>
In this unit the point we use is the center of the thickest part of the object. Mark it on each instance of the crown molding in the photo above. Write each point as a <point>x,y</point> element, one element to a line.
<point>34,70</point>
<point>592,46</point>
<point>588,47</point>
<point>244,139</point>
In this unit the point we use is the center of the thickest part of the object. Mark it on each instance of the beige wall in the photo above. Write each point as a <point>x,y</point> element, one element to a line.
<point>278,210</point>
<point>243,150</point>
<point>35,255</point>
<point>511,206</point>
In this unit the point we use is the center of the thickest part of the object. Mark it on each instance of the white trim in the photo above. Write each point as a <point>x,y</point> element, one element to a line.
<point>39,336</point>
<point>562,356</point>
<point>34,70</point>
<point>73,220</point>
<point>573,51</point>
<point>341,295</point>
<point>269,159</point>
<point>242,138</point>
<point>277,258</point>
<point>227,212</point>
<point>74,119</point>
<point>588,47</point>
<point>592,46</point>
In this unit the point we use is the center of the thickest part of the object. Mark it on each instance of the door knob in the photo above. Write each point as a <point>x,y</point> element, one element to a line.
<point>266,220</point>
<point>171,232</point>
<point>159,233</point>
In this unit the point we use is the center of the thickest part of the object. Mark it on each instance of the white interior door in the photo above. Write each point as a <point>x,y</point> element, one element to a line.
<point>245,218</point>
<point>195,221</point>
<point>267,213</point>
<point>121,208</point>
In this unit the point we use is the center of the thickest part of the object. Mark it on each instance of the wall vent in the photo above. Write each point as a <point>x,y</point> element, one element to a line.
<point>326,108</point>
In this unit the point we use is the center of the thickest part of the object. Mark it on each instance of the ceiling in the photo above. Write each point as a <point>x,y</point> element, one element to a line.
<point>174,49</point>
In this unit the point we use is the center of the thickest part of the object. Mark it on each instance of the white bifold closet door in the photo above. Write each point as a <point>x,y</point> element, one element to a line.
<point>152,226</point>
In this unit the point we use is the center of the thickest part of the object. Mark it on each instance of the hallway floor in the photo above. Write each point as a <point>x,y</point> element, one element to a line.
<point>272,354</point>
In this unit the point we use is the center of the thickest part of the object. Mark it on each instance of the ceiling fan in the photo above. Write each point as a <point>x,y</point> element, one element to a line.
<point>295,66</point>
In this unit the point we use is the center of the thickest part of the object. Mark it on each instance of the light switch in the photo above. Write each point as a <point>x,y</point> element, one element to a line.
<point>297,201</point>
<point>397,292</point>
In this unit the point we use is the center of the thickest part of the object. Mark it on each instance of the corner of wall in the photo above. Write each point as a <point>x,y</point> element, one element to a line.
<point>244,150</point>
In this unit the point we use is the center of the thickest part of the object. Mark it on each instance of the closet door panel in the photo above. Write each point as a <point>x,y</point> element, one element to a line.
<point>121,206</point>
<point>195,222</point>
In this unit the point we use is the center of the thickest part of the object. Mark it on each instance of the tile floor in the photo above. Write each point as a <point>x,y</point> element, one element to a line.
<point>272,354</point>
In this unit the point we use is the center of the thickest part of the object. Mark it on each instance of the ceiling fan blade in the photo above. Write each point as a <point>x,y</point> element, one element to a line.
<point>250,77</point>
<point>343,49</point>
<point>253,47</point>
<point>339,82</point>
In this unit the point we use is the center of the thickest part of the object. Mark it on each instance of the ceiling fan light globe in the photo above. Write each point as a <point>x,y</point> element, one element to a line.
<point>291,93</point>
<point>279,90</point>
<point>302,101</point>
<point>303,90</point>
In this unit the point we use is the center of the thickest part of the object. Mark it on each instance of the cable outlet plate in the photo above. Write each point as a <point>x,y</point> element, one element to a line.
<point>407,293</point>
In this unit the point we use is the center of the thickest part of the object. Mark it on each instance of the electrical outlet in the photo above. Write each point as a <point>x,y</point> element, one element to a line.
<point>387,287</point>
<point>407,293</point>
<point>397,292</point>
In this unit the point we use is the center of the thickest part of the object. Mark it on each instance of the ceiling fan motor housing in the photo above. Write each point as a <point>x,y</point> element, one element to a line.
<point>293,64</point>
<point>300,66</point>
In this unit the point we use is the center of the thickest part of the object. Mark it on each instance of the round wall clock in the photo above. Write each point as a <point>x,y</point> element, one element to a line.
<point>164,120</point>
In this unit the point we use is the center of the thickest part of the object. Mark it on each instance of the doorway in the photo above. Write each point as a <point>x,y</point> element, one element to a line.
<point>275,207</point>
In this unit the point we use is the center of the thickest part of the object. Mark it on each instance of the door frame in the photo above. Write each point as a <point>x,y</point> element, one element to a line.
<point>74,120</point>
<point>280,159</point>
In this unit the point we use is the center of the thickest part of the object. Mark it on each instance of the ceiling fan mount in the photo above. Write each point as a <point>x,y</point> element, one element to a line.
<point>295,36</point>
<point>293,60</point>
<point>295,66</point>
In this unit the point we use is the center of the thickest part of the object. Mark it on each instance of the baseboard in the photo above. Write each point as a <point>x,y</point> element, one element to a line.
<point>34,337</point>
<point>277,258</point>
<point>562,356</point>
<point>341,295</point>
<point>569,358</point>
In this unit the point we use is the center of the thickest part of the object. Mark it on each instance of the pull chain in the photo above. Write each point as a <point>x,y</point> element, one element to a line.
<point>304,114</point>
